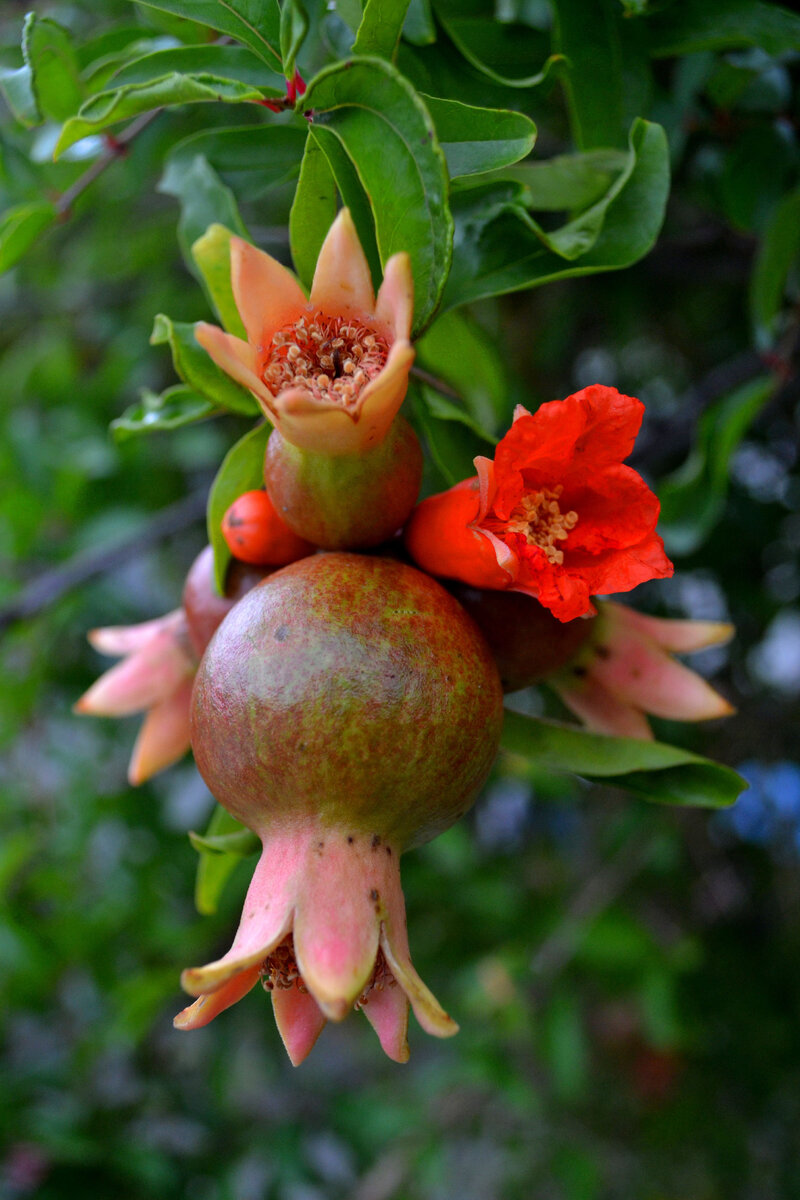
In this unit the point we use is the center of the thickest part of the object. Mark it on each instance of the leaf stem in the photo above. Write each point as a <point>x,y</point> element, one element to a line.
<point>115,149</point>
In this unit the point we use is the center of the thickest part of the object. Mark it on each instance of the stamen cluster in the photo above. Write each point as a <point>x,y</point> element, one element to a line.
<point>538,517</point>
<point>332,357</point>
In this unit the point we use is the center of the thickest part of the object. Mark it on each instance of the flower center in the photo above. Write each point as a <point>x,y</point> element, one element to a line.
<point>334,358</point>
<point>538,517</point>
<point>280,970</point>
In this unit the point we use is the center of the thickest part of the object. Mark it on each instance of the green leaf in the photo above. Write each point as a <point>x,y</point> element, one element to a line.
<point>313,210</point>
<point>693,497</point>
<point>651,770</point>
<point>233,63</point>
<point>389,136</point>
<point>294,27</point>
<point>602,102</point>
<point>696,25</point>
<point>17,87</point>
<point>251,159</point>
<point>204,201</point>
<point>197,369</point>
<point>241,843</point>
<point>501,248</point>
<point>502,51</point>
<point>242,470</point>
<point>212,256</point>
<point>20,227</point>
<point>458,351</point>
<point>54,71</point>
<point>451,437</point>
<point>177,406</point>
<point>353,195</point>
<point>380,28</point>
<point>776,257</point>
<point>419,27</point>
<point>257,23</point>
<point>118,104</point>
<point>570,182</point>
<point>216,864</point>
<point>351,12</point>
<point>479,139</point>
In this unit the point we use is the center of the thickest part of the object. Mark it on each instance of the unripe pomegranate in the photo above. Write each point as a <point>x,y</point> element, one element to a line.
<point>528,643</point>
<point>204,607</point>
<point>345,710</point>
<point>346,501</point>
<point>255,533</point>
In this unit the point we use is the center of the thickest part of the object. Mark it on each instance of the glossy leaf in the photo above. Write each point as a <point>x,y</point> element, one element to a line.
<point>695,25</point>
<point>254,22</point>
<point>458,351</point>
<point>212,256</point>
<point>479,139</point>
<point>224,62</point>
<point>652,770</point>
<point>293,29</point>
<point>215,864</point>
<point>380,28</point>
<point>501,248</point>
<point>54,72</point>
<point>119,104</point>
<point>242,470</point>
<point>570,182</point>
<point>777,256</point>
<point>204,201</point>
<point>502,51</point>
<point>20,227</point>
<point>602,103</point>
<point>313,210</point>
<point>353,195</point>
<point>389,136</point>
<point>17,88</point>
<point>177,406</point>
<point>419,27</point>
<point>251,159</point>
<point>693,497</point>
<point>196,368</point>
<point>451,437</point>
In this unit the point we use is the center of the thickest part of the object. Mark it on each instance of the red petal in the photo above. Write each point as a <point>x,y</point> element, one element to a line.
<point>615,509</point>
<point>620,570</point>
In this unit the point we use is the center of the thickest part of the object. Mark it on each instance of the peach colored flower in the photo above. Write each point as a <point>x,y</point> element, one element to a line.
<point>330,371</point>
<point>626,669</point>
<point>155,676</point>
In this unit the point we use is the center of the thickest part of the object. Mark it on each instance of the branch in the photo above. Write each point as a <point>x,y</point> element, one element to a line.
<point>116,148</point>
<point>50,586</point>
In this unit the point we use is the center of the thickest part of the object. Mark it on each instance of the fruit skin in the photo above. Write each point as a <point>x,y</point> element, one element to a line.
<point>204,607</point>
<point>348,501</point>
<point>255,533</point>
<point>352,692</point>
<point>527,642</point>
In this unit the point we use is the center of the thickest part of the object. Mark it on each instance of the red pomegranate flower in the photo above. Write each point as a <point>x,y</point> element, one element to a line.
<point>556,515</point>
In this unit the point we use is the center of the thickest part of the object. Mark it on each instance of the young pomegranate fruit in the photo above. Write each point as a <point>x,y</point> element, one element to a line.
<point>346,710</point>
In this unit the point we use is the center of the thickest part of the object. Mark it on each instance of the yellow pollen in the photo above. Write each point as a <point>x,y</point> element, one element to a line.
<point>333,358</point>
<point>538,517</point>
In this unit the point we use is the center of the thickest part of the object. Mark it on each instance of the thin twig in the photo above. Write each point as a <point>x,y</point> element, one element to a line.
<point>115,151</point>
<point>51,585</point>
<point>436,383</point>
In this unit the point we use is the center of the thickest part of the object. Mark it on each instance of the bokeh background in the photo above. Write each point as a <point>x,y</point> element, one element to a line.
<point>626,977</point>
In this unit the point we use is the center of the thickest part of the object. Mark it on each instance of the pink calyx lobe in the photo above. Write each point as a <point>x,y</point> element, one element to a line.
<point>346,709</point>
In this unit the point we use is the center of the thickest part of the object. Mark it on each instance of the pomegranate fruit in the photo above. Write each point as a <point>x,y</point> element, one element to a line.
<point>346,710</point>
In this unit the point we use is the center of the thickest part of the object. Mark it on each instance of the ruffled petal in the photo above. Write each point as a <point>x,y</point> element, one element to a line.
<point>299,1019</point>
<point>615,510</point>
<point>395,304</point>
<point>638,672</point>
<point>600,710</point>
<point>206,1008</point>
<point>236,359</point>
<point>387,1013</point>
<point>267,295</point>
<point>164,737</point>
<point>342,281</point>
<point>620,570</point>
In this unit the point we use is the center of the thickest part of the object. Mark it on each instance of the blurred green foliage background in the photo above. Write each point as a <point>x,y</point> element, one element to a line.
<point>626,977</point>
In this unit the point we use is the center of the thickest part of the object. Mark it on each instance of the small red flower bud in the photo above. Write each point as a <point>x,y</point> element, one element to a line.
<point>255,533</point>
